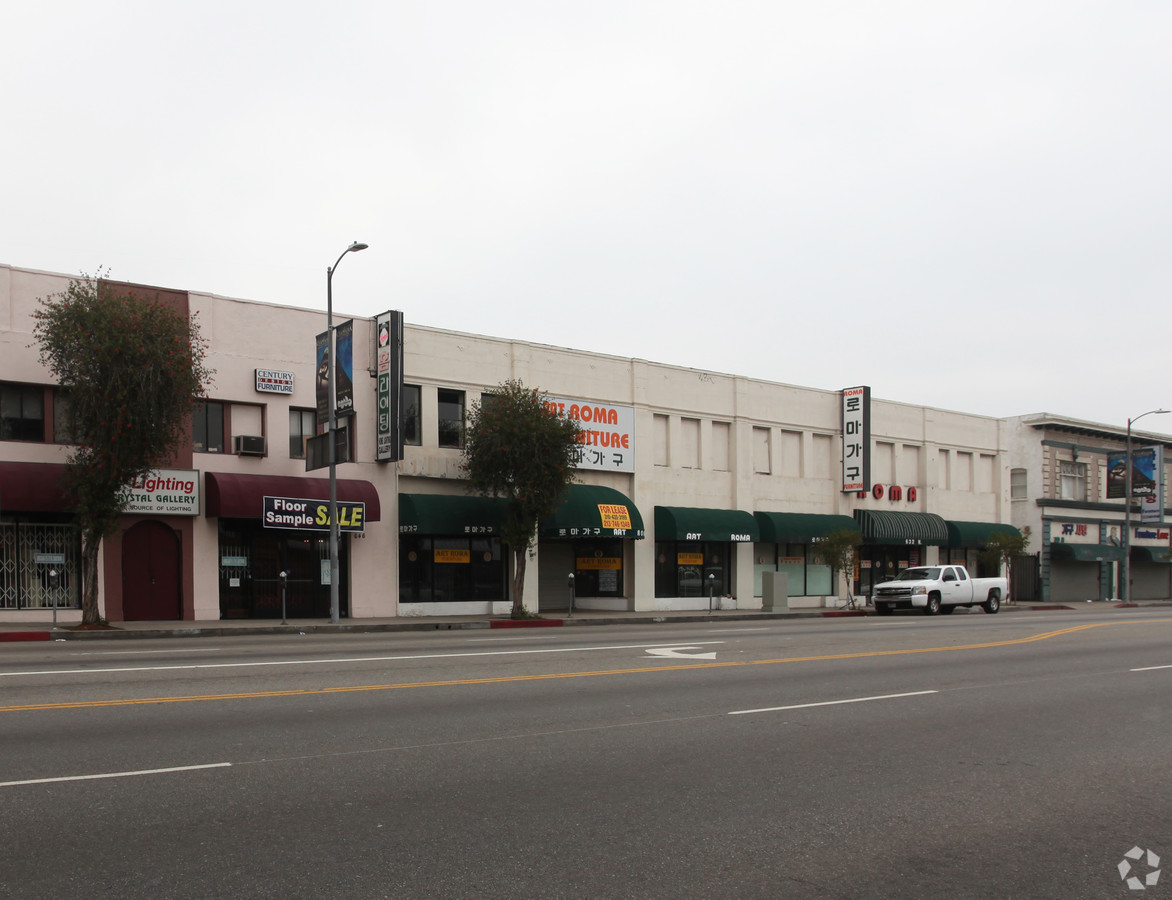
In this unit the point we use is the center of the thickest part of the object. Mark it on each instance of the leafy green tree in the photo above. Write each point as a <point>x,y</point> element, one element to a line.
<point>517,448</point>
<point>130,369</point>
<point>838,550</point>
<point>1002,548</point>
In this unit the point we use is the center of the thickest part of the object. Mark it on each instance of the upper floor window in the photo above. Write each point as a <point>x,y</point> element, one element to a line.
<point>451,418</point>
<point>207,426</point>
<point>1072,481</point>
<point>22,412</point>
<point>412,431</point>
<point>302,426</point>
<point>1018,485</point>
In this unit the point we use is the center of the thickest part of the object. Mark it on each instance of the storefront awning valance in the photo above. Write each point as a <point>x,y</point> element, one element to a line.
<point>33,487</point>
<point>591,510</point>
<point>1085,552</point>
<point>976,534</point>
<point>1150,554</point>
<point>447,514</point>
<point>687,523</point>
<point>232,496</point>
<point>882,527</point>
<point>800,528</point>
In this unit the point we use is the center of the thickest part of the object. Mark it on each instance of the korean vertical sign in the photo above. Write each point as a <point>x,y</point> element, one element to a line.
<point>856,439</point>
<point>388,353</point>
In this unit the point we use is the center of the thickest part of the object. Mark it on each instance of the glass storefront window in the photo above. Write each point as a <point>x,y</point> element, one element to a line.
<point>682,568</point>
<point>598,568</point>
<point>451,569</point>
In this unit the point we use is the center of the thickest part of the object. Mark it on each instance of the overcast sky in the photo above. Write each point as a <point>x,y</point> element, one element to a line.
<point>962,205</point>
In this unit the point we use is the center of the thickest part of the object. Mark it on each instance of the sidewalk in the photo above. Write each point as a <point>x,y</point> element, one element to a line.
<point>44,631</point>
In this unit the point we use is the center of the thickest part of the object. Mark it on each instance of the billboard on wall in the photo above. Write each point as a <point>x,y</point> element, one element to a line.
<point>1146,472</point>
<point>322,378</point>
<point>856,439</point>
<point>607,433</point>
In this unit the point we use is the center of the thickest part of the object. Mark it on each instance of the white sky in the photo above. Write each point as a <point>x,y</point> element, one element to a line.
<point>960,204</point>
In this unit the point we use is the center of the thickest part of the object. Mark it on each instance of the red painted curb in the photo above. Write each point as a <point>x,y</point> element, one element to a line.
<point>845,612</point>
<point>524,623</point>
<point>24,635</point>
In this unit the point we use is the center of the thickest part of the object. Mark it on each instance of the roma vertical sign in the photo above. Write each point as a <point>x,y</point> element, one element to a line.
<point>856,439</point>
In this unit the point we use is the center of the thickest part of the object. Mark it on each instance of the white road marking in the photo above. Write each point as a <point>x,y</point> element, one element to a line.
<point>1150,668</point>
<point>733,630</point>
<point>221,765</point>
<point>678,652</point>
<point>144,652</point>
<point>745,712</point>
<point>318,662</point>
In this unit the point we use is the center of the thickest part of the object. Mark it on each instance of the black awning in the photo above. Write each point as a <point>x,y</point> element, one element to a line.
<point>881,527</point>
<point>976,534</point>
<point>686,523</point>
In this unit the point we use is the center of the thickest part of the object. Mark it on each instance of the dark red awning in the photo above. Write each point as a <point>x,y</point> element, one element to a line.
<point>33,487</point>
<point>242,496</point>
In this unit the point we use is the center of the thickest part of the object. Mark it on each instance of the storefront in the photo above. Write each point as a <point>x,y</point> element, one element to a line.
<point>589,536</point>
<point>1082,572</point>
<point>893,541</point>
<point>450,553</point>
<point>695,550</point>
<point>786,545</point>
<point>966,540</point>
<point>40,547</point>
<point>269,524</point>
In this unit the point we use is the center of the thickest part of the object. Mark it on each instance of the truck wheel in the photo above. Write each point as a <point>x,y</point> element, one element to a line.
<point>933,606</point>
<point>992,604</point>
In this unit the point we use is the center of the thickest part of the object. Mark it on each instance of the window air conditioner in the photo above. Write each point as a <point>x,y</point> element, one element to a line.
<point>249,445</point>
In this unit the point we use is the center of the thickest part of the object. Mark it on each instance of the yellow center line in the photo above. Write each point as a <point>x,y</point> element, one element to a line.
<point>505,679</point>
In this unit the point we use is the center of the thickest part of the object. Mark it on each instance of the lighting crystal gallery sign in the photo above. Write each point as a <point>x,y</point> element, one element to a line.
<point>164,492</point>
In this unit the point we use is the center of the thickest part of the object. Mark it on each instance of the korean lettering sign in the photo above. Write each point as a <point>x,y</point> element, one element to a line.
<point>856,438</point>
<point>607,433</point>
<point>389,361</point>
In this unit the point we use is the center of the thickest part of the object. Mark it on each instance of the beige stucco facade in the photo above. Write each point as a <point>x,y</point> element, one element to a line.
<point>701,440</point>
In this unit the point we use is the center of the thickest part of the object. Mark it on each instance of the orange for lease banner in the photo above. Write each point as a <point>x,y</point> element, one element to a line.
<point>614,515</point>
<point>453,556</point>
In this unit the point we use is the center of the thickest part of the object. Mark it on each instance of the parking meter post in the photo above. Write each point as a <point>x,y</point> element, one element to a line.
<point>53,591</point>
<point>711,590</point>
<point>571,583</point>
<point>284,576</point>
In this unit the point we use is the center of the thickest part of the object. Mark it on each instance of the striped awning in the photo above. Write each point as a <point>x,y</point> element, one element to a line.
<point>881,527</point>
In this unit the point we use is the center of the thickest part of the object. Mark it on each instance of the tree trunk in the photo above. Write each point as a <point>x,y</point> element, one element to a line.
<point>520,558</point>
<point>90,546</point>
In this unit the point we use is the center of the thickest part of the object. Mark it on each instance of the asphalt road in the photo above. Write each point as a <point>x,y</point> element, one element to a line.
<point>967,756</point>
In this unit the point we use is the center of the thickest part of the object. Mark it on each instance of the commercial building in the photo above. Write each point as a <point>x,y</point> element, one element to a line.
<point>690,482</point>
<point>1067,487</point>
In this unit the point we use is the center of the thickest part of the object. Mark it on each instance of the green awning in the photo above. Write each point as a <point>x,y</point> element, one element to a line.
<point>447,514</point>
<point>976,534</point>
<point>591,510</point>
<point>901,528</point>
<point>800,528</point>
<point>686,523</point>
<point>1150,554</point>
<point>1085,552</point>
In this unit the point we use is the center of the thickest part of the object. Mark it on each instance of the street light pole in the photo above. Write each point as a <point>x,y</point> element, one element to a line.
<point>1127,505</point>
<point>332,426</point>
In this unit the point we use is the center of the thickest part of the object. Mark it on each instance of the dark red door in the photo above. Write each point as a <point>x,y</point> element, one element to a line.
<point>150,573</point>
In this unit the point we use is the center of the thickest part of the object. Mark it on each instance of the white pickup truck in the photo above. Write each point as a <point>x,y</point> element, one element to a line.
<point>938,589</point>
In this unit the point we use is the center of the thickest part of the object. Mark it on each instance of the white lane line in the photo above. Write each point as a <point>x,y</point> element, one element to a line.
<point>145,652</point>
<point>1150,668</point>
<point>745,712</point>
<point>4,784</point>
<point>734,630</point>
<point>319,662</point>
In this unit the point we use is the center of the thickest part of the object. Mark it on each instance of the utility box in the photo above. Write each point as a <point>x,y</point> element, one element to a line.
<point>775,591</point>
